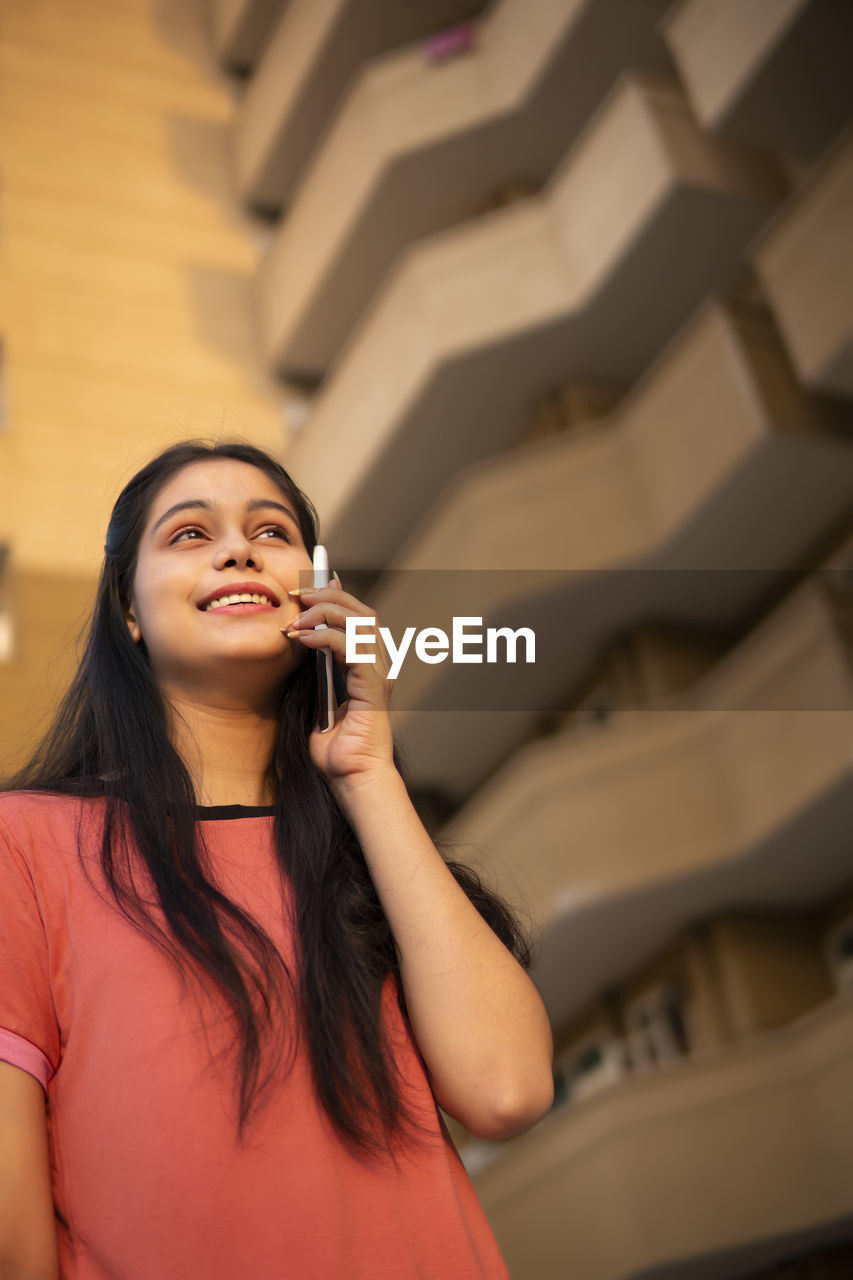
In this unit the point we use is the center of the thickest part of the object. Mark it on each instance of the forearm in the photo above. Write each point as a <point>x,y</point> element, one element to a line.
<point>478,1019</point>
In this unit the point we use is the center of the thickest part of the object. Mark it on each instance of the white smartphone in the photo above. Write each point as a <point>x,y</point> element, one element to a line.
<point>325,681</point>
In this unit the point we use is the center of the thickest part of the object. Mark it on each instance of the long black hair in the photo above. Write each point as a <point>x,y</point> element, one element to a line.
<point>110,737</point>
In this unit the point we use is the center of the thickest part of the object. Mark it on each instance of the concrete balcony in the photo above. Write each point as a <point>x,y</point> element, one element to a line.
<point>776,74</point>
<point>646,216</point>
<point>741,794</point>
<point>241,29</point>
<point>309,62</point>
<point>419,148</point>
<point>705,1169</point>
<point>711,478</point>
<point>805,263</point>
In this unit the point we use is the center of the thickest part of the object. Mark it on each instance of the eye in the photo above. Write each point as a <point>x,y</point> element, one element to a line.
<point>278,530</point>
<point>184,533</point>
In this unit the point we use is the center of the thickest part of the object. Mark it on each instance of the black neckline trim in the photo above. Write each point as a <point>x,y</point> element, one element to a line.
<point>223,812</point>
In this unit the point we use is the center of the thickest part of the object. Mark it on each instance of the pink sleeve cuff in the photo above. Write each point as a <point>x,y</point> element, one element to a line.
<point>21,1053</point>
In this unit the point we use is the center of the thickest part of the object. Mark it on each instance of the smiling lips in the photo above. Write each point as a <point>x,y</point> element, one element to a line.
<point>240,597</point>
<point>238,604</point>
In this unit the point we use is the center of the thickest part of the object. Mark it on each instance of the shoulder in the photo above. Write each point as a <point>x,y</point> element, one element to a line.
<point>33,806</point>
<point>33,816</point>
<point>42,837</point>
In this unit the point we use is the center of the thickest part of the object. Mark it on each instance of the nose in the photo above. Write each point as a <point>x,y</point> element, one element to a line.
<point>235,550</point>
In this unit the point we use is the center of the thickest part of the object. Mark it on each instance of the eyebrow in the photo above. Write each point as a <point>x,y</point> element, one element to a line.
<point>255,504</point>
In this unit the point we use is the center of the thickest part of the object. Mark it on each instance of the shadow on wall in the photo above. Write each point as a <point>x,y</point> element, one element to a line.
<point>223,308</point>
<point>200,154</point>
<point>186,27</point>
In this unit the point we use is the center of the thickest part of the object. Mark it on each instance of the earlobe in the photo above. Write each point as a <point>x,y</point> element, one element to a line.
<point>133,626</point>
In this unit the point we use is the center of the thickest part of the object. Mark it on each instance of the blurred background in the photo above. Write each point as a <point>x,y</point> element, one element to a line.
<point>563,285</point>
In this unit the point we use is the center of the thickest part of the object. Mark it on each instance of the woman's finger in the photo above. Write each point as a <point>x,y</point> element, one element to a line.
<point>333,594</point>
<point>320,634</point>
<point>334,613</point>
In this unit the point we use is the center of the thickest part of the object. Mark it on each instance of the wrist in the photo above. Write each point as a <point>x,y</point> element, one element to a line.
<point>353,789</point>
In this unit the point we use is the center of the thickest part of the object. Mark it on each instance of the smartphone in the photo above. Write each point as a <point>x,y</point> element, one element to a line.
<point>325,662</point>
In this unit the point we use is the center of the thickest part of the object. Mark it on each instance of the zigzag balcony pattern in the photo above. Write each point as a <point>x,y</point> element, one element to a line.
<point>307,66</point>
<point>805,263</point>
<point>681,1160</point>
<point>622,835</point>
<point>711,478</point>
<point>416,148</point>
<point>476,323</point>
<point>776,74</point>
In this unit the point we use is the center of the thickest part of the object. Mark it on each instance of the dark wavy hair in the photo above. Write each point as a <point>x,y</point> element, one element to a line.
<point>110,737</point>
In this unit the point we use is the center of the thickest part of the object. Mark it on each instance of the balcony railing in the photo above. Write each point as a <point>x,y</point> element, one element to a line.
<point>417,148</point>
<point>697,1169</point>
<point>774,74</point>
<point>617,837</point>
<point>708,481</point>
<point>476,324</point>
<point>806,267</point>
<point>305,70</point>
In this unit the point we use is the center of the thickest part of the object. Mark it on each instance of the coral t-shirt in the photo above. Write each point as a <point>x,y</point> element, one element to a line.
<point>146,1169</point>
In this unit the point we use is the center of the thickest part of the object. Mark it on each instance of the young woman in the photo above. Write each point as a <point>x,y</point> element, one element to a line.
<point>231,959</point>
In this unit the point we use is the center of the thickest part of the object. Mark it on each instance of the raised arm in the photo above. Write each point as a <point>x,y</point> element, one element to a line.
<point>478,1019</point>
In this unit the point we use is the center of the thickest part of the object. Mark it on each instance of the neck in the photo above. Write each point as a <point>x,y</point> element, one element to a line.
<point>225,749</point>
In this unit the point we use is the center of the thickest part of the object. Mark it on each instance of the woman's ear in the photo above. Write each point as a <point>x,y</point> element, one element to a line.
<point>132,625</point>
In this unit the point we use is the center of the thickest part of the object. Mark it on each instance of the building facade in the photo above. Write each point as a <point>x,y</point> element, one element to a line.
<point>548,305</point>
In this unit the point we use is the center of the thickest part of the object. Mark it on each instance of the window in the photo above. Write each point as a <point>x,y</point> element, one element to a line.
<point>587,1067</point>
<point>657,1032</point>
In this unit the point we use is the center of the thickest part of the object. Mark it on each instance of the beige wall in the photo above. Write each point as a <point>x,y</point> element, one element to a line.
<point>49,613</point>
<point>125,272</point>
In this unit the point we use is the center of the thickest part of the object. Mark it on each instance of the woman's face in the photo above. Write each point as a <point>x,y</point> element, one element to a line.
<point>218,528</point>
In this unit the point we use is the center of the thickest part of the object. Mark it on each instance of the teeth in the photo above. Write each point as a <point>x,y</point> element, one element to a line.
<point>242,598</point>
